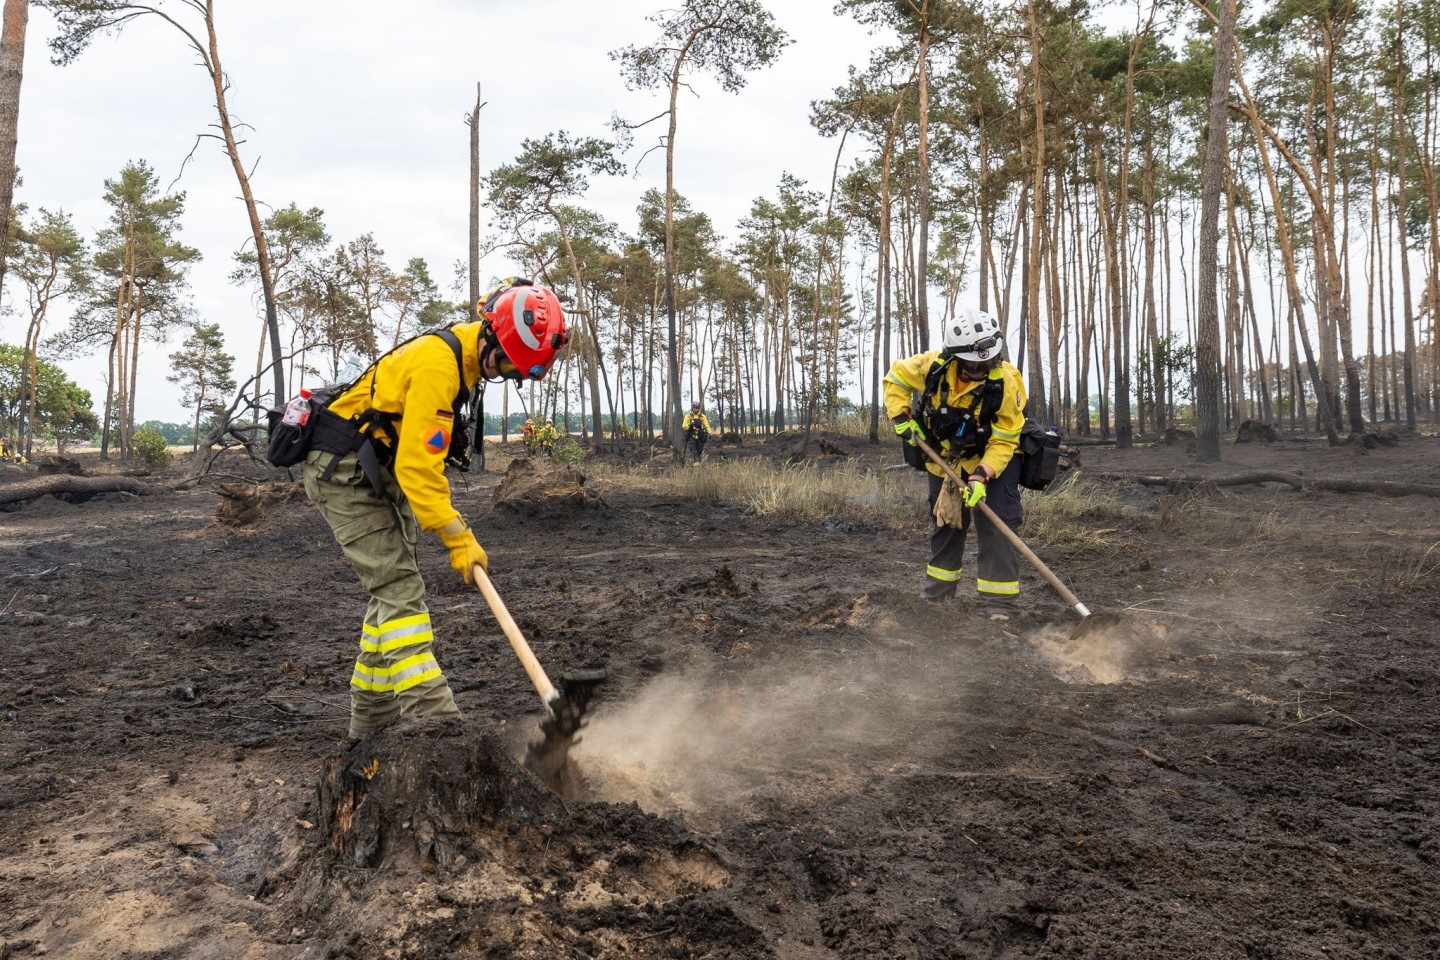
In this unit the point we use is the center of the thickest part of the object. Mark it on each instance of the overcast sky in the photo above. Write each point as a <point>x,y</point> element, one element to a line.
<point>359,110</point>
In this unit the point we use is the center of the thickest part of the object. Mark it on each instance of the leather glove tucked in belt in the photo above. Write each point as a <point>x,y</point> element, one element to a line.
<point>465,551</point>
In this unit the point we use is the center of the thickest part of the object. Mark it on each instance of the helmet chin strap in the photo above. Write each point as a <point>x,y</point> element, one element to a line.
<point>489,343</point>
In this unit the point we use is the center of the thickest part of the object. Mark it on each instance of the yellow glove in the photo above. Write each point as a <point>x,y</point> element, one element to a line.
<point>975,489</point>
<point>465,551</point>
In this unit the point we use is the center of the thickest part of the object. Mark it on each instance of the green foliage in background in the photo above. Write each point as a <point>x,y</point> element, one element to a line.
<point>150,449</point>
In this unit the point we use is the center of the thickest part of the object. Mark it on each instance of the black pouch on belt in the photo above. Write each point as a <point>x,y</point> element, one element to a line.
<point>289,442</point>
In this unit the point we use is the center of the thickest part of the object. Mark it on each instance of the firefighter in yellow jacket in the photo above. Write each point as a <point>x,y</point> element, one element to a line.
<point>696,428</point>
<point>548,436</point>
<point>971,409</point>
<point>376,471</point>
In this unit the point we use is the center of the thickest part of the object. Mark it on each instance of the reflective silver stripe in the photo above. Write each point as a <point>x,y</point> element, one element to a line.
<point>411,631</point>
<point>366,678</point>
<point>893,377</point>
<point>518,318</point>
<point>408,673</point>
<point>948,576</point>
<point>1008,587</point>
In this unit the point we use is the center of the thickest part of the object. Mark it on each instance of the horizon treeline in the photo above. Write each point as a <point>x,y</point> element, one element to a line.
<point>1042,161</point>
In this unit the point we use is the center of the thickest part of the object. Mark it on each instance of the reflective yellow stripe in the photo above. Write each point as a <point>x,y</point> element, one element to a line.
<point>948,576</point>
<point>1008,587</point>
<point>895,378</point>
<point>413,670</point>
<point>371,678</point>
<point>399,623</point>
<point>405,632</point>
<point>368,644</point>
<point>1007,434</point>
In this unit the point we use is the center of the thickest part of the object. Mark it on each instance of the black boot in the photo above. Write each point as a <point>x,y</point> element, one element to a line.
<point>937,590</point>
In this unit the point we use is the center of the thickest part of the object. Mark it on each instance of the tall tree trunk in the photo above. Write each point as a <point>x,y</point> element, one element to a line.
<point>1207,343</point>
<point>922,261</point>
<point>1036,378</point>
<point>1338,286</point>
<point>474,121</point>
<point>252,210</point>
<point>1287,257</point>
<point>1153,347</point>
<point>594,366</point>
<point>985,208</point>
<point>882,273</point>
<point>12,67</point>
<point>1407,367</point>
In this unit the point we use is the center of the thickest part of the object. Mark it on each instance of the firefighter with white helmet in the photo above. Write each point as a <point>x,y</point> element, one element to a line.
<point>970,409</point>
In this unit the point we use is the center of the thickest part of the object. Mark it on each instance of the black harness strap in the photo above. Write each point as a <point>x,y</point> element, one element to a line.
<point>964,430</point>
<point>359,437</point>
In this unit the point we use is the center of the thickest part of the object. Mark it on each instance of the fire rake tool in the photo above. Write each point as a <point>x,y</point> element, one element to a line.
<point>564,706</point>
<point>1090,622</point>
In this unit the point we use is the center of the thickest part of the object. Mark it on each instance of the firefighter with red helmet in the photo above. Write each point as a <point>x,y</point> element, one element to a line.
<point>384,488</point>
<point>528,436</point>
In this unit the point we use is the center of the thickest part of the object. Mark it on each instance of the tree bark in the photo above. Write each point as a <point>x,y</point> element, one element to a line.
<point>1207,340</point>
<point>474,121</point>
<point>922,307</point>
<point>12,66</point>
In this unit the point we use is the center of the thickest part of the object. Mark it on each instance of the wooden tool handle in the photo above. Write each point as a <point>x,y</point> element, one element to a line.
<point>543,686</point>
<point>1009,534</point>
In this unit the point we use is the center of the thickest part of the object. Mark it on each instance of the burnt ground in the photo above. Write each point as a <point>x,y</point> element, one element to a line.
<point>795,757</point>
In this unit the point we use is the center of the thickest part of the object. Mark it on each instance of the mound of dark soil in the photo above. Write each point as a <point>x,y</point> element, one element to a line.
<point>535,487</point>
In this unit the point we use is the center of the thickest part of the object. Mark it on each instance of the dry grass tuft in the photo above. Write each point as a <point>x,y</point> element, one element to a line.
<point>804,493</point>
<point>1412,570</point>
<point>1080,512</point>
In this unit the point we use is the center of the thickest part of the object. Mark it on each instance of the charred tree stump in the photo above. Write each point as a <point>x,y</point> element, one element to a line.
<point>243,504</point>
<point>1251,431</point>
<point>432,791</point>
<point>57,466</point>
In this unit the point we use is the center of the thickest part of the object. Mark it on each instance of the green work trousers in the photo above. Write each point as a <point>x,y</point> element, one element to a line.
<point>396,671</point>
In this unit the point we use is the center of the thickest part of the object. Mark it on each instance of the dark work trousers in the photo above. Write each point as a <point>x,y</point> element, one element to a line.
<point>696,445</point>
<point>998,574</point>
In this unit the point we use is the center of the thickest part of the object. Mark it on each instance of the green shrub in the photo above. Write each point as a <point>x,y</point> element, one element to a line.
<point>150,448</point>
<point>568,451</point>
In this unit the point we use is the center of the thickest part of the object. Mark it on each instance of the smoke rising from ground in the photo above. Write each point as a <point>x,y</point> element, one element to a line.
<point>705,741</point>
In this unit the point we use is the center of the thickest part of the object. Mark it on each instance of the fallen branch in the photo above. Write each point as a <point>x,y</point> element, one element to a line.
<point>82,488</point>
<point>1384,488</point>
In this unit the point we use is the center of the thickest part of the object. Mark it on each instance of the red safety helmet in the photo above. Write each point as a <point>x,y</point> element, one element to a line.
<point>528,327</point>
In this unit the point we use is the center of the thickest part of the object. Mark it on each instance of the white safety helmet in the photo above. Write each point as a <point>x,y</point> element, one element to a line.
<point>974,336</point>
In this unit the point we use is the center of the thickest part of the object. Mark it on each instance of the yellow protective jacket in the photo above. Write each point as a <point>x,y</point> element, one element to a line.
<point>548,435</point>
<point>907,376</point>
<point>689,422</point>
<point>419,382</point>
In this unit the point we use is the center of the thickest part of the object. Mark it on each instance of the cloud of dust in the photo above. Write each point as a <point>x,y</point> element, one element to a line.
<point>1099,656</point>
<point>705,742</point>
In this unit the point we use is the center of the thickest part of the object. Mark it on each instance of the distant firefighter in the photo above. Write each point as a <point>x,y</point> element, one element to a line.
<point>696,427</point>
